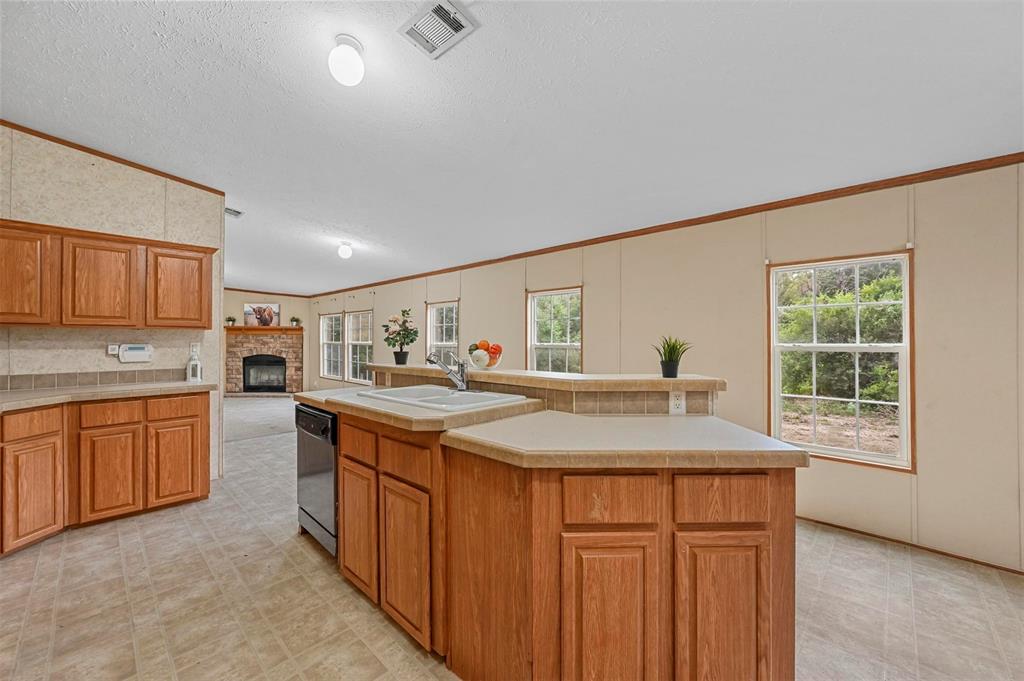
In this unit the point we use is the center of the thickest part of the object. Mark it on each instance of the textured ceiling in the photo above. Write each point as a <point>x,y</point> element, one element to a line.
<point>553,122</point>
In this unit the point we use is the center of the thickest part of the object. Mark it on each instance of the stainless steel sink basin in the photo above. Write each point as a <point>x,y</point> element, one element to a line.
<point>441,398</point>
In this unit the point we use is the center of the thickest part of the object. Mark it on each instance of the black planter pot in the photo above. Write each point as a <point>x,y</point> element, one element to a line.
<point>668,369</point>
<point>401,357</point>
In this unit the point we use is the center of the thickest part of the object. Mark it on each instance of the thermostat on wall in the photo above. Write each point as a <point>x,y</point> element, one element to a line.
<point>135,352</point>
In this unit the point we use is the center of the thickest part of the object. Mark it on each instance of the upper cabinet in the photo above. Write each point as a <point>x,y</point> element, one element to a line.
<point>29,277</point>
<point>56,276</point>
<point>103,282</point>
<point>178,288</point>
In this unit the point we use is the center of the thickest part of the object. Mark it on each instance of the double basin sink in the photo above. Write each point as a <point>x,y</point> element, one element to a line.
<point>441,398</point>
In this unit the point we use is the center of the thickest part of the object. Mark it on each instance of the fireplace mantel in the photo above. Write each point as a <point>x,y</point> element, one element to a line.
<point>264,329</point>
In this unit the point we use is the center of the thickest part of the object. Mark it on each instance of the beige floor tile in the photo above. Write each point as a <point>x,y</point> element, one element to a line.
<point>309,628</point>
<point>343,656</point>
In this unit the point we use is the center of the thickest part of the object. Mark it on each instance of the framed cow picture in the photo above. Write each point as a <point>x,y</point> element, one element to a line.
<point>262,314</point>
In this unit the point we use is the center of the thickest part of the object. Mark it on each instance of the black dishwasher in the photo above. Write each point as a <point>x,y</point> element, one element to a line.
<point>317,479</point>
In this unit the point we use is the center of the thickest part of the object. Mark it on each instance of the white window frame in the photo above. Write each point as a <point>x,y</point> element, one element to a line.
<point>904,458</point>
<point>531,328</point>
<point>433,345</point>
<point>358,340</point>
<point>332,349</point>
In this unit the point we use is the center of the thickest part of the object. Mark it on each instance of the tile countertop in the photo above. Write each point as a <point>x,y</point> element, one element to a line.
<point>553,380</point>
<point>552,439</point>
<point>12,400</point>
<point>408,417</point>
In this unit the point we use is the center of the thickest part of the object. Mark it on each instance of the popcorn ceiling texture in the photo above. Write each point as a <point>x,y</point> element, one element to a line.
<point>555,121</point>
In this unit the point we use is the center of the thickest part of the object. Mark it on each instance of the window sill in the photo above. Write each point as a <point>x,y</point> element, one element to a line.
<point>896,468</point>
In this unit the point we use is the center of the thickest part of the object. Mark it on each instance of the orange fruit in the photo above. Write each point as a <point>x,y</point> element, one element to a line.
<point>483,345</point>
<point>492,361</point>
<point>494,350</point>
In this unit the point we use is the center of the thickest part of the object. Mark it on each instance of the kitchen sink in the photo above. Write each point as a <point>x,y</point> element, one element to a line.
<point>441,398</point>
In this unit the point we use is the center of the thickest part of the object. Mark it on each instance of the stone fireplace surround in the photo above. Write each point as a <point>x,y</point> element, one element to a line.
<point>245,341</point>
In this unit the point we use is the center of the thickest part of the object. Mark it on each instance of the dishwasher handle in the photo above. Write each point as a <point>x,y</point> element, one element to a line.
<point>315,423</point>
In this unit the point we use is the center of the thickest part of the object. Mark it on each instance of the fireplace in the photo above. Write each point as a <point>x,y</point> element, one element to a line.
<point>263,374</point>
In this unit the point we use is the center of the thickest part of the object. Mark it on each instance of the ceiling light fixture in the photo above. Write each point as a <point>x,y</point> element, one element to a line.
<point>346,61</point>
<point>345,250</point>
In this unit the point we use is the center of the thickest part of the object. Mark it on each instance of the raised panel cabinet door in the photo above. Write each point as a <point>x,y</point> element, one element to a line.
<point>29,277</point>
<point>357,506</point>
<point>102,282</point>
<point>173,461</point>
<point>110,472</point>
<point>33,490</point>
<point>405,557</point>
<point>722,606</point>
<point>609,606</point>
<point>178,288</point>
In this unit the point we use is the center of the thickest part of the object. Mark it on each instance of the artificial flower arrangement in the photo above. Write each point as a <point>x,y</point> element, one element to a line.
<point>399,332</point>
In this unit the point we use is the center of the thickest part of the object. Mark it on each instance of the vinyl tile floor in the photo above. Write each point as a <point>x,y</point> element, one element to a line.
<point>225,589</point>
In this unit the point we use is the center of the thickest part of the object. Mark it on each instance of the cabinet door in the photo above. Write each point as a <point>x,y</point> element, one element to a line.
<point>29,276</point>
<point>405,557</point>
<point>110,471</point>
<point>33,486</point>
<point>357,555</point>
<point>102,282</point>
<point>178,288</point>
<point>609,605</point>
<point>173,461</point>
<point>722,597</point>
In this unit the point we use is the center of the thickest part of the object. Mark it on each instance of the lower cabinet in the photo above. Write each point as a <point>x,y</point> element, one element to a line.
<point>405,557</point>
<point>110,472</point>
<point>357,555</point>
<point>610,605</point>
<point>33,490</point>
<point>173,456</point>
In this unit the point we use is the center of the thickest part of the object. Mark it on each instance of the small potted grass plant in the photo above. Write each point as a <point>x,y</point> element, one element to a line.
<point>399,332</point>
<point>295,321</point>
<point>230,321</point>
<point>671,350</point>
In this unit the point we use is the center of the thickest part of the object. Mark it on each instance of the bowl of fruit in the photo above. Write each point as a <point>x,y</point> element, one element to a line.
<point>485,355</point>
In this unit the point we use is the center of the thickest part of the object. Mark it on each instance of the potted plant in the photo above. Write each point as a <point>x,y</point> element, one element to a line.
<point>670,351</point>
<point>399,332</point>
<point>230,321</point>
<point>296,321</point>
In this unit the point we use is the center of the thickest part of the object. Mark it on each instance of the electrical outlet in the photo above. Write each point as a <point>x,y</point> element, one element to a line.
<point>112,349</point>
<point>677,403</point>
<point>193,347</point>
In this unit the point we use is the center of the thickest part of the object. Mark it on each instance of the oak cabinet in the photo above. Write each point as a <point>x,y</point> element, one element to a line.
<point>110,469</point>
<point>29,277</point>
<point>178,288</point>
<point>609,605</point>
<point>102,282</point>
<point>357,489</point>
<point>722,606</point>
<point>405,557</point>
<point>33,490</point>
<point>173,461</point>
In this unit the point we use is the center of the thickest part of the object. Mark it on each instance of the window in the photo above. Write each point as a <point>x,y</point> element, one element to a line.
<point>359,345</point>
<point>841,358</point>
<point>555,331</point>
<point>331,350</point>
<point>443,330</point>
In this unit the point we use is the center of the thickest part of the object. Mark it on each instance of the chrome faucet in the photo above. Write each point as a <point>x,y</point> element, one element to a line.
<point>457,375</point>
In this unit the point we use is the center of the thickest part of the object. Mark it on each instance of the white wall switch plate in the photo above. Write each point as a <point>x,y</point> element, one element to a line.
<point>112,349</point>
<point>193,347</point>
<point>677,403</point>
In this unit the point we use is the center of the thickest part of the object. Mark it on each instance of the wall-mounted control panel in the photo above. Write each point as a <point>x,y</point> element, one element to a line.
<point>128,353</point>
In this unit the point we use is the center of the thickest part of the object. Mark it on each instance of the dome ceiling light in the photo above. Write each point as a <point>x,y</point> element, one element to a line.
<point>345,250</point>
<point>346,61</point>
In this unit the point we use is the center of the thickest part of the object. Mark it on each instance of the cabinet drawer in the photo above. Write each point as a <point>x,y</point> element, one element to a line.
<point>25,424</point>
<point>174,407</point>
<point>405,461</point>
<point>110,413</point>
<point>358,444</point>
<point>721,498</point>
<point>609,499</point>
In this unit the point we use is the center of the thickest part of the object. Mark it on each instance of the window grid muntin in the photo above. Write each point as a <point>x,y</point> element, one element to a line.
<point>569,347</point>
<point>902,350</point>
<point>358,346</point>
<point>332,363</point>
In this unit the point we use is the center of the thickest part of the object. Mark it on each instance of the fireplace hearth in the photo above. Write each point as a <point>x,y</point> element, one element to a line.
<point>263,374</point>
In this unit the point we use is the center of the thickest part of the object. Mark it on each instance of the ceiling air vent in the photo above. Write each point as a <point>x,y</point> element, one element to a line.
<point>437,28</point>
<point>232,213</point>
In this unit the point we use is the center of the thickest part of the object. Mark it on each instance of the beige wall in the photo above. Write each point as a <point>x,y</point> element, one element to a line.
<point>49,183</point>
<point>707,285</point>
